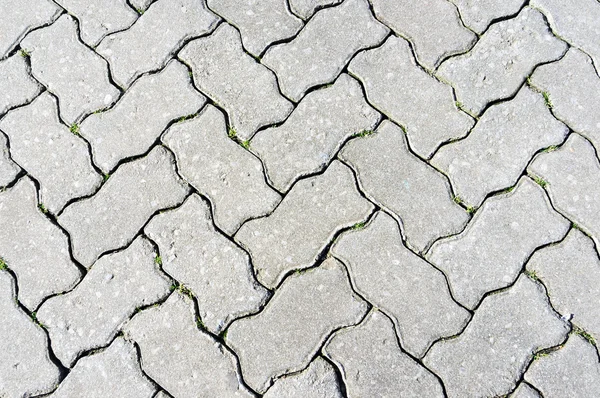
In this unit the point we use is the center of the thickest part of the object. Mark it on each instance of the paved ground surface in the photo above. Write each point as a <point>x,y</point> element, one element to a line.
<point>299,198</point>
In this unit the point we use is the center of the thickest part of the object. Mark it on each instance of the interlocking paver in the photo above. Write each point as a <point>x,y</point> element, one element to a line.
<point>501,60</point>
<point>298,319</point>
<point>110,219</point>
<point>314,132</point>
<point>479,14</point>
<point>306,8</point>
<point>211,266</point>
<point>340,32</point>
<point>374,364</point>
<point>8,169</point>
<point>292,237</point>
<point>17,87</point>
<point>155,37</point>
<point>489,356</point>
<point>230,176</point>
<point>524,391</point>
<point>137,120</point>
<point>397,180</point>
<point>317,381</point>
<point>233,79</point>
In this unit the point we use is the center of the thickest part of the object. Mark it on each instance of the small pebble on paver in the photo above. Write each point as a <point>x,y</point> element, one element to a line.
<point>524,391</point>
<point>8,169</point>
<point>306,8</point>
<point>317,381</point>
<point>17,87</point>
<point>479,14</point>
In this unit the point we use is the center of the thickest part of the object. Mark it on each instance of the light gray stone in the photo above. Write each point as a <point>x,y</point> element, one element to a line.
<point>409,96</point>
<point>217,271</point>
<point>304,311</point>
<point>524,391</point>
<point>17,87</point>
<point>316,381</point>
<point>293,236</point>
<point>306,8</point>
<point>8,169</point>
<point>162,394</point>
<point>155,37</point>
<point>77,75</point>
<point>56,158</point>
<point>36,250</point>
<point>141,5</point>
<point>498,149</point>
<point>137,120</point>
<point>487,359</point>
<point>373,364</point>
<point>400,182</point>
<point>111,218</point>
<point>324,47</point>
<point>479,14</point>
<point>491,251</point>
<point>314,132</point>
<point>230,176</point>
<point>399,282</point>
<point>501,60</point>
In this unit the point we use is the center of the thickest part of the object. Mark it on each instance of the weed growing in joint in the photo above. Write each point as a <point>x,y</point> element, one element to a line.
<point>547,101</point>
<point>158,260</point>
<point>364,133</point>
<point>584,334</point>
<point>540,181</point>
<point>231,133</point>
<point>75,129</point>
<point>24,53</point>
<point>3,265</point>
<point>245,144</point>
<point>532,275</point>
<point>359,225</point>
<point>43,208</point>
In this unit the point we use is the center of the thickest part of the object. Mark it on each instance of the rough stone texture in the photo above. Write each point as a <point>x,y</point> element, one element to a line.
<point>306,8</point>
<point>304,311</point>
<point>230,176</point>
<point>491,251</point>
<point>217,271</point>
<point>488,357</point>
<point>178,356</point>
<point>90,316</point>
<point>158,34</point>
<point>374,365</point>
<point>35,249</point>
<point>110,219</point>
<point>340,32</point>
<point>8,168</point>
<point>56,158</point>
<point>293,236</point>
<point>137,120</point>
<point>524,391</point>
<point>501,60</point>
<point>317,381</point>
<point>409,96</point>
<point>16,85</point>
<point>77,75</point>
<point>233,79</point>
<point>314,132</point>
<point>478,14</point>
<point>500,146</point>
<point>397,180</point>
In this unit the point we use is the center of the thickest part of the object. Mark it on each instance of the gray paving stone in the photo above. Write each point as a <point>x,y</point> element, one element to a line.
<point>141,5</point>
<point>8,168</point>
<point>292,237</point>
<point>90,316</point>
<point>500,146</point>
<point>56,158</point>
<point>316,381</point>
<point>397,180</point>
<point>110,219</point>
<point>340,32</point>
<point>314,132</point>
<point>488,357</point>
<point>479,14</point>
<point>524,391</point>
<point>306,8</point>
<point>374,365</point>
<point>155,37</point>
<point>491,251</point>
<point>285,336</point>
<point>137,120</point>
<point>25,368</point>
<point>391,277</point>
<point>114,372</point>
<point>162,394</point>
<point>408,95</point>
<point>230,176</point>
<point>16,85</point>
<point>178,356</point>
<point>34,248</point>
<point>501,60</point>
<point>217,271</point>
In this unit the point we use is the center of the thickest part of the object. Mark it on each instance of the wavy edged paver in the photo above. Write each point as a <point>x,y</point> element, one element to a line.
<point>324,47</point>
<point>178,356</point>
<point>501,60</point>
<point>487,359</point>
<point>77,75</point>
<point>137,120</point>
<point>500,146</point>
<point>8,169</point>
<point>314,132</point>
<point>17,87</point>
<point>306,8</point>
<point>293,236</point>
<point>153,39</point>
<point>56,158</point>
<point>304,311</point>
<point>91,315</point>
<point>35,249</point>
<point>409,96</point>
<point>374,365</point>
<point>397,180</point>
<point>317,381</point>
<point>491,251</point>
<point>111,218</point>
<point>479,14</point>
<point>217,271</point>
